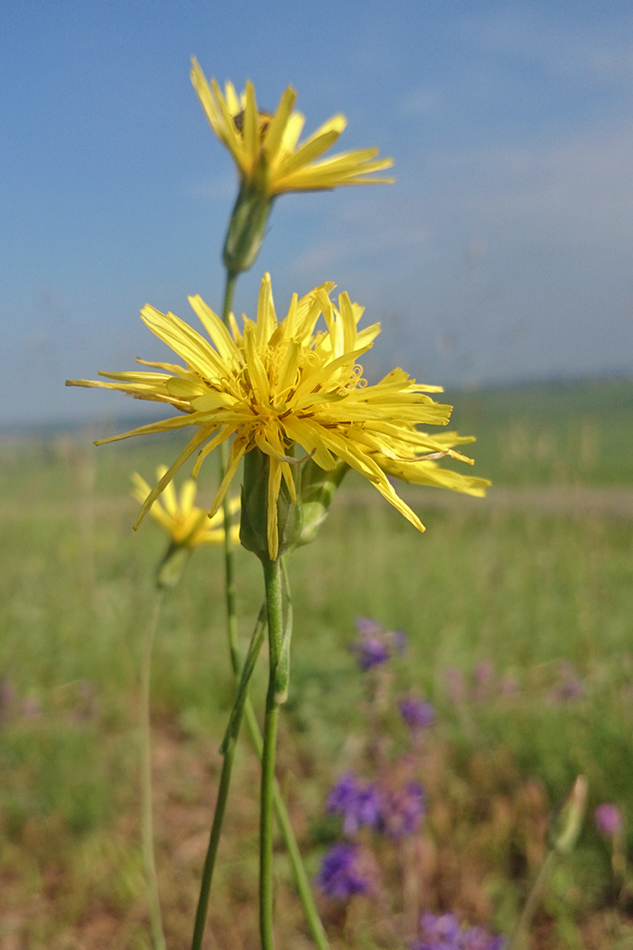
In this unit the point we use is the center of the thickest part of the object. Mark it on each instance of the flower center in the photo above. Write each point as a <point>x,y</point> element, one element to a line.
<point>264,119</point>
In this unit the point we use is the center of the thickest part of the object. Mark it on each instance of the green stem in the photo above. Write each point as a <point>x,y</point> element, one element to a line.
<point>228,752</point>
<point>301,878</point>
<point>520,933</point>
<point>296,861</point>
<point>147,823</point>
<point>241,697</point>
<point>214,840</point>
<point>229,559</point>
<point>229,290</point>
<point>274,603</point>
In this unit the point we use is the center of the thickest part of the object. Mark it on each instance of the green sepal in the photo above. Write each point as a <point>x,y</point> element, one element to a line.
<point>173,565</point>
<point>254,517</point>
<point>318,488</point>
<point>248,223</point>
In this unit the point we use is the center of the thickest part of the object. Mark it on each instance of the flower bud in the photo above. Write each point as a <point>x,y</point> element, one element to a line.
<point>248,222</point>
<point>572,817</point>
<point>172,567</point>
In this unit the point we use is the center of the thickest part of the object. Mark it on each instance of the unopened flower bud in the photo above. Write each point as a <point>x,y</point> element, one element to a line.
<point>172,567</point>
<point>572,817</point>
<point>248,223</point>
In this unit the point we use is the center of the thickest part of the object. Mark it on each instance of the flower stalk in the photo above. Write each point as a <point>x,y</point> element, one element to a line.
<point>275,605</point>
<point>569,828</point>
<point>229,560</point>
<point>228,753</point>
<point>147,821</point>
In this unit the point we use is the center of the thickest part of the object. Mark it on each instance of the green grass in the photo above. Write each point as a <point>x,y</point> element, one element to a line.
<point>519,590</point>
<point>558,433</point>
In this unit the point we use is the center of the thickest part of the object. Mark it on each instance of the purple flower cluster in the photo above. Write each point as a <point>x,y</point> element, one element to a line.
<point>373,645</point>
<point>443,932</point>
<point>394,812</point>
<point>394,804</point>
<point>416,713</point>
<point>356,801</point>
<point>401,810</point>
<point>341,874</point>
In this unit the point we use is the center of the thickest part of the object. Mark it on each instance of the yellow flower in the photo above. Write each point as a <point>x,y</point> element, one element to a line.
<point>425,471</point>
<point>279,384</point>
<point>186,525</point>
<point>264,147</point>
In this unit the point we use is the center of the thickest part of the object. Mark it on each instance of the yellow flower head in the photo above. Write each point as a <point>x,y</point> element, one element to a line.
<point>187,525</point>
<point>428,472</point>
<point>265,146</point>
<point>276,385</point>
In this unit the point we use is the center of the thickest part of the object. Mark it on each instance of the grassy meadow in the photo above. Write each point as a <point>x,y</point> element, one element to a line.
<point>520,633</point>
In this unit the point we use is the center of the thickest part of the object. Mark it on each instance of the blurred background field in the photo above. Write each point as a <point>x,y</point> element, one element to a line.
<point>518,609</point>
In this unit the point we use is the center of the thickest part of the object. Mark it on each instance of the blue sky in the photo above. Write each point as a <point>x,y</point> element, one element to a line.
<point>503,252</point>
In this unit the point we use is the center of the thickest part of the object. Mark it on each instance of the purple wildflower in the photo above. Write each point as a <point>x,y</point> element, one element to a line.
<point>356,801</point>
<point>401,810</point>
<point>438,932</point>
<point>373,645</point>
<point>341,874</point>
<point>608,820</point>
<point>475,938</point>
<point>443,932</point>
<point>370,652</point>
<point>367,627</point>
<point>416,713</point>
